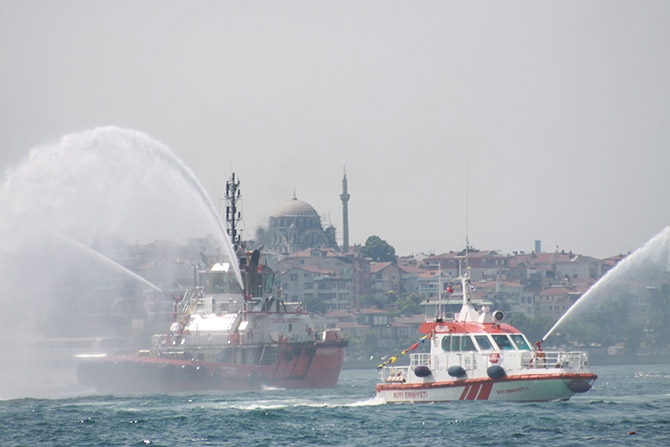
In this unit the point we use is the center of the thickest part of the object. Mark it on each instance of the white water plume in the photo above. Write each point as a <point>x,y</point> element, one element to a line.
<point>644,263</point>
<point>105,189</point>
<point>108,181</point>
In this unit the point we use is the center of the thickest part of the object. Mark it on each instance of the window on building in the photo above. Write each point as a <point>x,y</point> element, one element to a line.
<point>381,320</point>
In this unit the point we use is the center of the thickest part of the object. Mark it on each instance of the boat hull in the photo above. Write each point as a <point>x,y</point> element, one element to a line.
<point>309,366</point>
<point>522,388</point>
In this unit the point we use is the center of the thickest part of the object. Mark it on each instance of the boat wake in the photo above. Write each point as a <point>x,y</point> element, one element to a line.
<point>273,388</point>
<point>306,403</point>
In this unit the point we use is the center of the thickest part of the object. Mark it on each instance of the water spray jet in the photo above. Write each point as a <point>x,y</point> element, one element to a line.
<point>657,247</point>
<point>101,257</point>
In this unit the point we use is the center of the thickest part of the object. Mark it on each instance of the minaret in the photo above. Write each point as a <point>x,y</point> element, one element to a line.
<point>345,214</point>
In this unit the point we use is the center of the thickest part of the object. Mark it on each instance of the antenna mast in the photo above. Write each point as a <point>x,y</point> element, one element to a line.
<point>233,214</point>
<point>467,209</point>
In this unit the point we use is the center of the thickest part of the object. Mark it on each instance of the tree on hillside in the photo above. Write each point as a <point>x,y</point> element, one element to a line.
<point>408,304</point>
<point>371,301</point>
<point>378,250</point>
<point>315,305</point>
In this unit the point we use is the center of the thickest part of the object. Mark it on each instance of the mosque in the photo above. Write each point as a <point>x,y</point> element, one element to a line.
<point>295,225</point>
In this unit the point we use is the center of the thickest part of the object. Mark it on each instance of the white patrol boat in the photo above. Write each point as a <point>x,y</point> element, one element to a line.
<point>476,356</point>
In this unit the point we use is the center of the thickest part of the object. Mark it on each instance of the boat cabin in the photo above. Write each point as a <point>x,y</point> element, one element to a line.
<point>482,342</point>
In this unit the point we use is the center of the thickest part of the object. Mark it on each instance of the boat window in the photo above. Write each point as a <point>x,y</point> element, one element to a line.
<point>483,342</point>
<point>467,344</point>
<point>520,342</point>
<point>222,282</point>
<point>446,343</point>
<point>218,283</point>
<point>503,342</point>
<point>455,343</point>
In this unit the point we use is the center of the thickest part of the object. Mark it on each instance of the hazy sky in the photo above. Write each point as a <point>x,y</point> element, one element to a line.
<point>560,109</point>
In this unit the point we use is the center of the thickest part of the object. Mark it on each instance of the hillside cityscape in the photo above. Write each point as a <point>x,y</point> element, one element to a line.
<point>377,298</point>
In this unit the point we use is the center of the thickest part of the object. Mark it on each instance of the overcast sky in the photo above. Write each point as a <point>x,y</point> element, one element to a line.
<point>560,109</point>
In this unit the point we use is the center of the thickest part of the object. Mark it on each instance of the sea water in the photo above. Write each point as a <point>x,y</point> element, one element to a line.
<point>629,405</point>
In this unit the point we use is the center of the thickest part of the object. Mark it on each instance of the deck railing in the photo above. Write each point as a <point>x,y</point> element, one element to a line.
<point>574,360</point>
<point>393,374</point>
<point>557,359</point>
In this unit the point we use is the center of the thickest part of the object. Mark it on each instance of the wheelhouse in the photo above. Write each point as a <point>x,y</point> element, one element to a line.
<point>483,342</point>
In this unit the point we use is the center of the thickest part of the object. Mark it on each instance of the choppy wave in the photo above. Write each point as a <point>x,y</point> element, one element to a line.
<point>627,406</point>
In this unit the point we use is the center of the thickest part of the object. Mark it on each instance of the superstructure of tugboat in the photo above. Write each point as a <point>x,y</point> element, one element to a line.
<point>475,356</point>
<point>228,336</point>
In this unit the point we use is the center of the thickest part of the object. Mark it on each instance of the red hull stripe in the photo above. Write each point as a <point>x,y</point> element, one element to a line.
<point>473,392</point>
<point>485,391</point>
<point>464,393</point>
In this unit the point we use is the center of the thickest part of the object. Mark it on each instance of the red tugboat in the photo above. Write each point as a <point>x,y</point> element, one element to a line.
<point>476,356</point>
<point>225,337</point>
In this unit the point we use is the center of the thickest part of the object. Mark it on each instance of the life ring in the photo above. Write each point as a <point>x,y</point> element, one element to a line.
<point>494,357</point>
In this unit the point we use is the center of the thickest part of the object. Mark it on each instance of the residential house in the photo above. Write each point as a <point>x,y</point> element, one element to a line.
<point>305,284</point>
<point>554,301</point>
<point>483,264</point>
<point>347,267</point>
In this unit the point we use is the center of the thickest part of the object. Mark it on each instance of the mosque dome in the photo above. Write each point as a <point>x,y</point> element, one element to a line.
<point>295,208</point>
